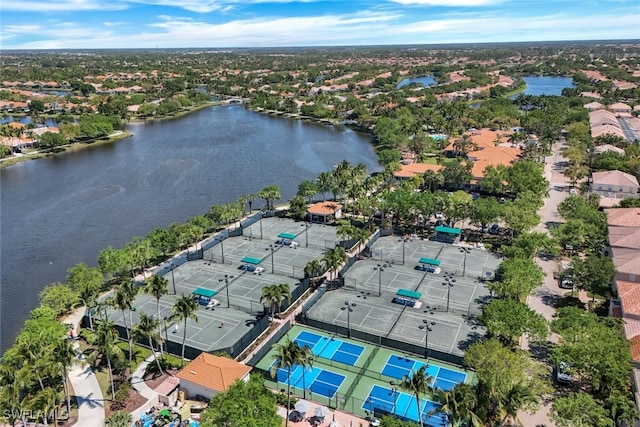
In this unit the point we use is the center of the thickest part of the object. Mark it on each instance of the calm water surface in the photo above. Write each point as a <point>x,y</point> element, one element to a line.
<point>424,80</point>
<point>62,210</point>
<point>546,85</point>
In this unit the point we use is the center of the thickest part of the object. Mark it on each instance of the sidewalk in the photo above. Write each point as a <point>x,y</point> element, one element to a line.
<point>85,384</point>
<point>137,381</point>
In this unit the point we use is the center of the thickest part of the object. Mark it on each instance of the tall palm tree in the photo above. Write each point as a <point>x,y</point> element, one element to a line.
<point>333,259</point>
<point>185,308</point>
<point>123,300</point>
<point>147,328</point>
<point>269,194</point>
<point>157,286</point>
<point>458,405</point>
<point>519,397</point>
<point>64,355</point>
<point>289,356</point>
<point>313,268</point>
<point>285,294</point>
<point>324,181</point>
<point>419,384</point>
<point>46,402</point>
<point>105,340</point>
<point>119,419</point>
<point>271,295</point>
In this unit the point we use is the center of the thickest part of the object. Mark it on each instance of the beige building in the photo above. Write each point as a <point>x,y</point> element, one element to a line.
<point>614,185</point>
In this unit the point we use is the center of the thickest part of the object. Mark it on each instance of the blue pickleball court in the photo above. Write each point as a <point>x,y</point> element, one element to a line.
<point>330,348</point>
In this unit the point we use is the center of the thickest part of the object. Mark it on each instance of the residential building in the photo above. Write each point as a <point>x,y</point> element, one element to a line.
<point>324,212</point>
<point>208,375</point>
<point>613,185</point>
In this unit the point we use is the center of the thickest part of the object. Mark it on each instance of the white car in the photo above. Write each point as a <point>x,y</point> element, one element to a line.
<point>439,215</point>
<point>258,270</point>
<point>562,373</point>
<point>213,303</point>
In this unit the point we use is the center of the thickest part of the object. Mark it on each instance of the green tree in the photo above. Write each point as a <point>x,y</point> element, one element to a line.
<point>298,208</point>
<point>46,403</point>
<point>247,404</point>
<point>578,410</point>
<point>418,384</point>
<point>333,259</point>
<point>517,278</point>
<point>269,194</point>
<point>147,328</point>
<point>52,140</point>
<point>64,356</point>
<point>313,268</point>
<point>105,339</point>
<point>60,297</point>
<point>484,211</point>
<point>287,357</point>
<point>123,300</point>
<point>307,189</point>
<point>594,274</point>
<point>157,286</point>
<point>508,319</point>
<point>458,405</point>
<point>184,308</point>
<point>87,283</point>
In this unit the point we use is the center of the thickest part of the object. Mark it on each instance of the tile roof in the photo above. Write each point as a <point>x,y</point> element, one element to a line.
<point>635,348</point>
<point>615,177</point>
<point>629,295</point>
<point>324,208</point>
<point>213,372</point>
<point>413,169</point>
<point>624,237</point>
<point>168,385</point>
<point>625,217</point>
<point>631,328</point>
<point>608,147</point>
<point>619,106</point>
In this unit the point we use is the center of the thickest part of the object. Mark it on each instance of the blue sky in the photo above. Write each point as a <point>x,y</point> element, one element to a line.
<point>89,24</point>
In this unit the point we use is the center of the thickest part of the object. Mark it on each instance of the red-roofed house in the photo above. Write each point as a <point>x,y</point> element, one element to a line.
<point>208,375</point>
<point>324,212</point>
<point>410,170</point>
<point>614,184</point>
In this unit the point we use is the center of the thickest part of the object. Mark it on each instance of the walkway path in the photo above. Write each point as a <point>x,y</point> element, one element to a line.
<point>85,384</point>
<point>137,381</point>
<point>544,299</point>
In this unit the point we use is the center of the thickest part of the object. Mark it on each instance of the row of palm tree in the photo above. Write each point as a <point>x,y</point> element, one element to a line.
<point>274,295</point>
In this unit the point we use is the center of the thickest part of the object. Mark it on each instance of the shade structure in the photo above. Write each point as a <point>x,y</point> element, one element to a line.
<point>321,411</point>
<point>203,292</point>
<point>289,236</point>
<point>249,260</point>
<point>429,261</point>
<point>302,406</point>
<point>448,230</point>
<point>166,413</point>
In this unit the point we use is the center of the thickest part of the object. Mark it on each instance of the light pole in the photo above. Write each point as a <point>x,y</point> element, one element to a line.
<point>348,306</point>
<point>403,240</point>
<point>427,326</point>
<point>222,247</point>
<point>306,226</point>
<point>173,279</point>
<point>380,269</point>
<point>260,224</point>
<point>226,282</point>
<point>464,263</point>
<point>304,384</point>
<point>448,282</point>
<point>271,248</point>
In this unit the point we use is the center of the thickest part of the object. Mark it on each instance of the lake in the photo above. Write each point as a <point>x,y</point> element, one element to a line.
<point>424,81</point>
<point>546,85</point>
<point>62,210</point>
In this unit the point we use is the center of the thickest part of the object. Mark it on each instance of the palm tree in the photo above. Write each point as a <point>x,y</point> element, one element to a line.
<point>147,328</point>
<point>324,181</point>
<point>33,353</point>
<point>285,294</point>
<point>271,295</point>
<point>458,405</point>
<point>185,308</point>
<point>519,397</point>
<point>333,259</point>
<point>313,268</point>
<point>269,194</point>
<point>119,419</point>
<point>45,403</point>
<point>64,355</point>
<point>157,287</point>
<point>123,300</point>
<point>105,339</point>
<point>289,356</point>
<point>419,384</point>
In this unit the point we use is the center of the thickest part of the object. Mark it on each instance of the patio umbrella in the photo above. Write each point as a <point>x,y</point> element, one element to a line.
<point>321,411</point>
<point>166,413</point>
<point>302,406</point>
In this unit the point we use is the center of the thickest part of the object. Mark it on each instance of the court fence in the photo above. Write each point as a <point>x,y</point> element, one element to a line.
<point>403,346</point>
<point>267,345</point>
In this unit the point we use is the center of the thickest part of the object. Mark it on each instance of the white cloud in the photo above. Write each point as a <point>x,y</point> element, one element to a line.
<point>449,3</point>
<point>61,5</point>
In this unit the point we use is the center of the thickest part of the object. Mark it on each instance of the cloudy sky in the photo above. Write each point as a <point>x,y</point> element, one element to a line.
<point>86,24</point>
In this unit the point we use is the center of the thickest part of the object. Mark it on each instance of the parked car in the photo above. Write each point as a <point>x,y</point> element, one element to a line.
<point>283,242</point>
<point>566,282</point>
<point>494,229</point>
<point>258,270</point>
<point>563,374</point>
<point>427,268</point>
<point>213,303</point>
<point>248,267</point>
<point>439,215</point>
